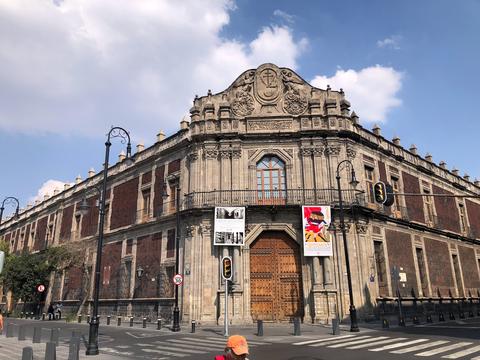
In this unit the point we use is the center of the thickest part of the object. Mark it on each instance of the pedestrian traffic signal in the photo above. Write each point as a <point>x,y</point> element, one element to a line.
<point>227,268</point>
<point>380,192</point>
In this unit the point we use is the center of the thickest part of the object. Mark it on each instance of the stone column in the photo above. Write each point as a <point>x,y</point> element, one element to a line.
<point>317,272</point>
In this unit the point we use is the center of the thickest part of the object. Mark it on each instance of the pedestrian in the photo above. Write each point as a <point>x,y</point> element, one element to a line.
<point>236,349</point>
<point>59,310</point>
<point>51,313</point>
<point>1,322</point>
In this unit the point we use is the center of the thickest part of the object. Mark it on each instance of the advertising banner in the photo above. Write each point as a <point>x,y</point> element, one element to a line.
<point>229,226</point>
<point>316,238</point>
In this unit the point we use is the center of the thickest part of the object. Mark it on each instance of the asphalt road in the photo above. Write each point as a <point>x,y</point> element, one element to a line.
<point>451,340</point>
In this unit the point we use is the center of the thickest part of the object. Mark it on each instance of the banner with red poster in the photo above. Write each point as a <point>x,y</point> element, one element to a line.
<point>316,238</point>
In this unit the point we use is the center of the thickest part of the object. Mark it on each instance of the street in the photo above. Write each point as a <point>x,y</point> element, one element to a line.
<point>449,340</point>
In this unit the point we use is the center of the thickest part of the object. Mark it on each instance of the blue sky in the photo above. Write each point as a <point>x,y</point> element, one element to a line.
<point>70,69</point>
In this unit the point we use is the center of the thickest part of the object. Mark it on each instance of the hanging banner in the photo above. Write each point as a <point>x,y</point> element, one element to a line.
<point>229,226</point>
<point>316,238</point>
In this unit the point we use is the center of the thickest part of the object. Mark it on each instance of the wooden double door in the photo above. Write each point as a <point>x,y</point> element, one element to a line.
<point>275,278</point>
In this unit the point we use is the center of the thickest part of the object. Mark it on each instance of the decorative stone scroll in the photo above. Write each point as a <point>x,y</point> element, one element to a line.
<point>269,125</point>
<point>210,153</point>
<point>332,150</point>
<point>351,153</point>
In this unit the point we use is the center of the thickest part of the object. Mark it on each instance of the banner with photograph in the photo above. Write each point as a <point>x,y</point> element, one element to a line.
<point>316,238</point>
<point>229,226</point>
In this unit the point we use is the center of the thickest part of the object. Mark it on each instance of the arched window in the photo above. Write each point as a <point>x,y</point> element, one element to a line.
<point>271,186</point>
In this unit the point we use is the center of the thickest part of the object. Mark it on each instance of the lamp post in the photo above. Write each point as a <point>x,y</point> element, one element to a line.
<point>115,132</point>
<point>354,183</point>
<point>176,310</point>
<point>8,200</point>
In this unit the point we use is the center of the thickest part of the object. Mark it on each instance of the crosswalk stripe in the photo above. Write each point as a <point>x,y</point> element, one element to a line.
<point>419,347</point>
<point>340,341</point>
<point>190,351</point>
<point>394,346</point>
<point>354,342</point>
<point>321,340</point>
<point>375,343</point>
<point>250,342</point>
<point>188,344</point>
<point>205,341</point>
<point>163,352</point>
<point>444,349</point>
<point>462,353</point>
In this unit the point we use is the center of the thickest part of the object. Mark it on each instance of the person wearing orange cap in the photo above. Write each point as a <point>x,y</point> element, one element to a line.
<point>236,349</point>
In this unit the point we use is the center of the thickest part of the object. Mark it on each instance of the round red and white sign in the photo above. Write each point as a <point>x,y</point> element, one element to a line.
<point>41,288</point>
<point>178,279</point>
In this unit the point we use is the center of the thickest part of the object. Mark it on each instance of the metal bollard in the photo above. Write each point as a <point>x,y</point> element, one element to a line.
<point>88,319</point>
<point>22,329</point>
<point>108,319</point>
<point>79,319</point>
<point>159,324</point>
<point>385,324</point>
<point>335,326</point>
<point>451,316</point>
<point>37,335</point>
<point>51,351</point>
<point>131,321</point>
<point>416,321</point>
<point>54,335</point>
<point>401,321</point>
<point>21,315</point>
<point>259,327</point>
<point>144,323</point>
<point>193,326</point>
<point>296,327</point>
<point>429,319</point>
<point>31,315</point>
<point>74,348</point>
<point>43,316</point>
<point>119,320</point>
<point>27,353</point>
<point>8,329</point>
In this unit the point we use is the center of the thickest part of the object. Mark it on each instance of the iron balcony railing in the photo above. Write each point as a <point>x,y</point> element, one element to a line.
<point>272,198</point>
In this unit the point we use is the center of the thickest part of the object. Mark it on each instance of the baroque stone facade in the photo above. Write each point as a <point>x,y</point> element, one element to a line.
<point>268,114</point>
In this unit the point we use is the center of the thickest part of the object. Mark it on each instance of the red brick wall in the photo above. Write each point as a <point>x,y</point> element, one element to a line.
<point>400,254</point>
<point>439,266</point>
<point>447,210</point>
<point>40,234</point>
<point>414,203</point>
<point>110,283</point>
<point>27,236</point>
<point>66,227</point>
<point>90,219</point>
<point>146,178</point>
<point>158,188</point>
<point>382,171</point>
<point>469,269</point>
<point>473,210</point>
<point>124,206</point>
<point>173,166</point>
<point>73,284</point>
<point>170,243</point>
<point>149,249</point>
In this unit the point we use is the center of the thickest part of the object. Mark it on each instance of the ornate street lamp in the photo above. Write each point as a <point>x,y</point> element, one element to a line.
<point>115,132</point>
<point>176,310</point>
<point>354,183</point>
<point>9,200</point>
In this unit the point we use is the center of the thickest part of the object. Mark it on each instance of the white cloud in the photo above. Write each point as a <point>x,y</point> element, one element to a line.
<point>47,188</point>
<point>290,19</point>
<point>79,66</point>
<point>392,42</point>
<point>372,91</point>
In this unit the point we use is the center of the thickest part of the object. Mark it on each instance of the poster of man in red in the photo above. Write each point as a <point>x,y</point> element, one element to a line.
<point>316,239</point>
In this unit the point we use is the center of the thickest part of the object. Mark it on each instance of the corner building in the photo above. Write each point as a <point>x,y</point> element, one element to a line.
<point>272,143</point>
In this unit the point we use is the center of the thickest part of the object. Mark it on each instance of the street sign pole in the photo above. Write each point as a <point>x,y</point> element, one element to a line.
<point>225,327</point>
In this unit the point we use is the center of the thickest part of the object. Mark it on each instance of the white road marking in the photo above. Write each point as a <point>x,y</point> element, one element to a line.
<point>419,347</point>
<point>462,353</point>
<point>223,341</point>
<point>444,349</point>
<point>357,342</point>
<point>191,351</point>
<point>394,346</point>
<point>321,340</point>
<point>188,344</point>
<point>163,352</point>
<point>340,341</point>
<point>375,343</point>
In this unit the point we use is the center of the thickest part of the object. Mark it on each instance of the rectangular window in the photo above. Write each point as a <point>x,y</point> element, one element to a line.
<point>171,243</point>
<point>369,184</point>
<point>458,278</point>
<point>106,275</point>
<point>396,190</point>
<point>463,225</point>
<point>173,198</point>
<point>421,271</point>
<point>145,204</point>
<point>76,234</point>
<point>128,248</point>
<point>168,284</point>
<point>428,203</point>
<point>381,268</point>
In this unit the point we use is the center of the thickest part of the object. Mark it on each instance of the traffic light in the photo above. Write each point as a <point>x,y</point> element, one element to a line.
<point>390,195</point>
<point>380,192</point>
<point>227,268</point>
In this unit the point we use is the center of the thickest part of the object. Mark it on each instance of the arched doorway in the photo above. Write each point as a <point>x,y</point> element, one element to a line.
<point>275,278</point>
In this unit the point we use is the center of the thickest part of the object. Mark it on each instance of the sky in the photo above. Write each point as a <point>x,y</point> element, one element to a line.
<point>71,69</point>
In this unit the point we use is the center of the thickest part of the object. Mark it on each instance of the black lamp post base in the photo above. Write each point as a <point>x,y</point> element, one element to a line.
<point>353,319</point>
<point>176,319</point>
<point>92,348</point>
